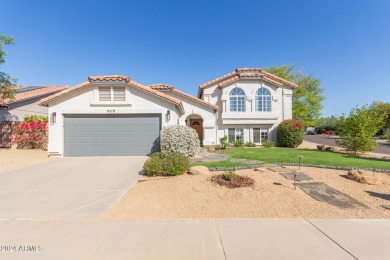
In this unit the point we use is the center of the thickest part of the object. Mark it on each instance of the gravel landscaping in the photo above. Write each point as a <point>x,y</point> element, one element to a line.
<point>271,196</point>
<point>11,159</point>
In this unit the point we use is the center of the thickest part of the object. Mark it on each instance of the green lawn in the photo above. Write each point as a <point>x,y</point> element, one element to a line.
<point>290,155</point>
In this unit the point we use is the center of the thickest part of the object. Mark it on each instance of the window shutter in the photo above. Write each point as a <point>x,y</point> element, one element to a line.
<point>104,93</point>
<point>119,94</point>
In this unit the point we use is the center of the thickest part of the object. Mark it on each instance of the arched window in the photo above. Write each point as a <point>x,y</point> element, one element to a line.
<point>237,100</point>
<point>263,100</point>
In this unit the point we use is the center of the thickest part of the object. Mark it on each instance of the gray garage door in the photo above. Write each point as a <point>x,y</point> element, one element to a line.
<point>105,135</point>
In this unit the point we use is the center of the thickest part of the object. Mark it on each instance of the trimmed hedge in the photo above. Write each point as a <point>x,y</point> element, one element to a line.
<point>166,163</point>
<point>290,133</point>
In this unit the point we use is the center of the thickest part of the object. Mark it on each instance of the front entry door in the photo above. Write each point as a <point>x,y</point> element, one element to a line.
<point>197,124</point>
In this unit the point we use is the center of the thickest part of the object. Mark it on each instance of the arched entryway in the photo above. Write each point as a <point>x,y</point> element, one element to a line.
<point>196,122</point>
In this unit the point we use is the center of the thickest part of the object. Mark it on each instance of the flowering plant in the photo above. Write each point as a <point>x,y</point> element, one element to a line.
<point>290,133</point>
<point>31,135</point>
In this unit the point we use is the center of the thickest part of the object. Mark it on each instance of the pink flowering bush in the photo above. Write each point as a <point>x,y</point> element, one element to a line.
<point>31,135</point>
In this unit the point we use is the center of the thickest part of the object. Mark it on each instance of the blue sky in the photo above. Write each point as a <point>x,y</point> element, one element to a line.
<point>186,43</point>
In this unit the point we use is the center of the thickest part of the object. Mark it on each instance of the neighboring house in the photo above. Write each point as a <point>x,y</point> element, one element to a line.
<point>23,104</point>
<point>114,115</point>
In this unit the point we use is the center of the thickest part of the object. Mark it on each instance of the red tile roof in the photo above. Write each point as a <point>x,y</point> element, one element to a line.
<point>42,91</point>
<point>246,72</point>
<point>109,77</point>
<point>92,79</point>
<point>44,101</point>
<point>161,87</point>
<point>166,87</point>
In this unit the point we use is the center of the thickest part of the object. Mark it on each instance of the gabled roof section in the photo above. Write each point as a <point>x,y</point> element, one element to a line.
<point>38,91</point>
<point>97,79</point>
<point>166,87</point>
<point>246,73</point>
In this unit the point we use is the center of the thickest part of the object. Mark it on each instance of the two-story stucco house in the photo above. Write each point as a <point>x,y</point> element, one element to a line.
<point>114,115</point>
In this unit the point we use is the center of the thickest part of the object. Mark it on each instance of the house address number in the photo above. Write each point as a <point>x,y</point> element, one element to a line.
<point>111,111</point>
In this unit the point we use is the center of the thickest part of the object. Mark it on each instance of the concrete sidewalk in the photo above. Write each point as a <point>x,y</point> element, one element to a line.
<point>197,239</point>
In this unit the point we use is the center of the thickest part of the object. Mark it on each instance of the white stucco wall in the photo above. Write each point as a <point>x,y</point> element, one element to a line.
<point>281,107</point>
<point>85,101</point>
<point>195,109</point>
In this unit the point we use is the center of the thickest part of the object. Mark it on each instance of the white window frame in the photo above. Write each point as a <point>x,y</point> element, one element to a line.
<point>261,130</point>
<point>237,98</point>
<point>235,134</point>
<point>263,98</point>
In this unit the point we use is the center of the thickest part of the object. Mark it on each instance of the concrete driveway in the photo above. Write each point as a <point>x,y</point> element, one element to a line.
<point>81,187</point>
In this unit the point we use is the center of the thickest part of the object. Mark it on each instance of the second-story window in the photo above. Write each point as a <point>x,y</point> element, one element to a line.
<point>112,94</point>
<point>237,100</point>
<point>263,100</point>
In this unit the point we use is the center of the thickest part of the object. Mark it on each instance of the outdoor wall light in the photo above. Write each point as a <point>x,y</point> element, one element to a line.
<point>53,118</point>
<point>168,115</point>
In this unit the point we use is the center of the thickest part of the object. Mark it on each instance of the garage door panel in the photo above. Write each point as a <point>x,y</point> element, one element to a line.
<point>110,135</point>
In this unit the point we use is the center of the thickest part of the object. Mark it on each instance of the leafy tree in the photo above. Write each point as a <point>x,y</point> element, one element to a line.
<point>7,83</point>
<point>307,99</point>
<point>357,130</point>
<point>383,108</point>
<point>326,123</point>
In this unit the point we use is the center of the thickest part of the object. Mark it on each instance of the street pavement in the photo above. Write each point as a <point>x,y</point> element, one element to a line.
<point>197,239</point>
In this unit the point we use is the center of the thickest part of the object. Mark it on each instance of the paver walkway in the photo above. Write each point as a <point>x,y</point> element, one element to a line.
<point>206,156</point>
<point>323,192</point>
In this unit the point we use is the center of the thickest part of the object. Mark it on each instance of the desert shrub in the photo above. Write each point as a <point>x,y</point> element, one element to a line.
<point>250,144</point>
<point>30,118</point>
<point>166,163</point>
<point>357,130</point>
<point>31,135</point>
<point>223,143</point>
<point>238,143</point>
<point>179,138</point>
<point>268,144</point>
<point>229,175</point>
<point>290,133</point>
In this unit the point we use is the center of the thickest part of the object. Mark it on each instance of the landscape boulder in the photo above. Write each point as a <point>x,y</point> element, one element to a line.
<point>321,147</point>
<point>211,149</point>
<point>198,170</point>
<point>365,177</point>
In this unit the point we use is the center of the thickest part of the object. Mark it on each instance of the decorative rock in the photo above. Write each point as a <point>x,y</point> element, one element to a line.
<point>329,148</point>
<point>235,160</point>
<point>365,177</point>
<point>211,149</point>
<point>198,170</point>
